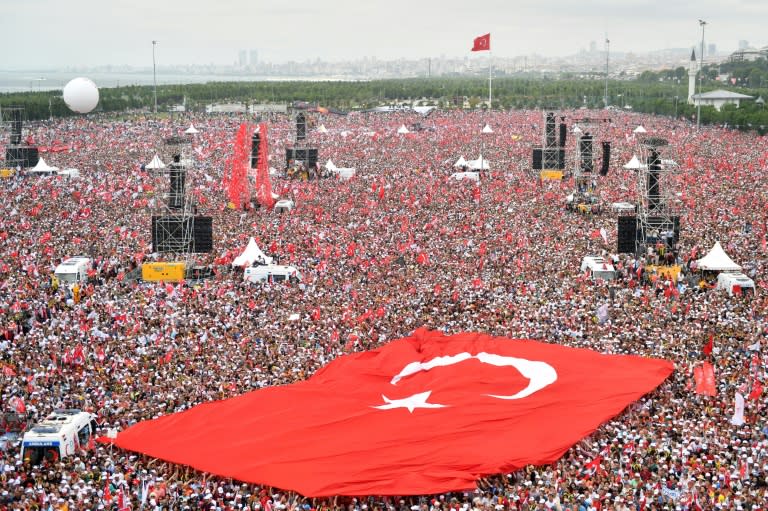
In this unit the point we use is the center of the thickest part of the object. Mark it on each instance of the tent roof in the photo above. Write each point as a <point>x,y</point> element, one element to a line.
<point>42,167</point>
<point>640,129</point>
<point>402,130</point>
<point>330,165</point>
<point>461,162</point>
<point>634,163</point>
<point>156,163</point>
<point>717,260</point>
<point>251,254</point>
<point>487,129</point>
<point>477,165</point>
<point>721,94</point>
<point>322,129</point>
<point>191,129</point>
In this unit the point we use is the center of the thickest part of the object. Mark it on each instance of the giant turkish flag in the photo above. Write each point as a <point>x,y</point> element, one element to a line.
<point>421,415</point>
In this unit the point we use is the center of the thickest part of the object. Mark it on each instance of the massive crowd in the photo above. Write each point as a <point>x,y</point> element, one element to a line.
<point>413,248</point>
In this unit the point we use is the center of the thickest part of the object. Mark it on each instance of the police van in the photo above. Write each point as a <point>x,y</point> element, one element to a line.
<point>60,434</point>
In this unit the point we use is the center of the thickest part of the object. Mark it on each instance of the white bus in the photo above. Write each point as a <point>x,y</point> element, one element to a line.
<point>60,434</point>
<point>72,270</point>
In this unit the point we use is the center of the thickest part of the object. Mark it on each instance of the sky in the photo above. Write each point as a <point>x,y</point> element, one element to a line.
<point>73,33</point>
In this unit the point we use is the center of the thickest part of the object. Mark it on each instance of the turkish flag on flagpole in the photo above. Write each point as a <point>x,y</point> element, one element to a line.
<point>482,43</point>
<point>425,414</point>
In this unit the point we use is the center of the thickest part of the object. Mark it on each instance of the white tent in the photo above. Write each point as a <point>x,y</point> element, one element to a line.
<point>322,129</point>
<point>43,167</point>
<point>576,129</point>
<point>402,130</point>
<point>191,130</point>
<point>479,164</point>
<point>633,164</point>
<point>487,129</point>
<point>251,254</point>
<point>640,129</point>
<point>471,176</point>
<point>329,165</point>
<point>155,164</point>
<point>717,260</point>
<point>461,162</point>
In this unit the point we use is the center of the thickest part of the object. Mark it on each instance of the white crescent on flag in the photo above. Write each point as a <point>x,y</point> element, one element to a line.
<point>540,375</point>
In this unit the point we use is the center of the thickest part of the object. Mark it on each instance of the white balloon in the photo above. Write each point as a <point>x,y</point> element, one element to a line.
<point>81,95</point>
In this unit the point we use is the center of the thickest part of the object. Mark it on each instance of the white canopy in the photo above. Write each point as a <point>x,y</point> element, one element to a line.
<point>191,130</point>
<point>251,254</point>
<point>155,164</point>
<point>402,130</point>
<point>43,167</point>
<point>640,129</point>
<point>329,165</point>
<point>479,164</point>
<point>576,129</point>
<point>717,260</point>
<point>633,164</point>
<point>322,129</point>
<point>487,129</point>
<point>461,162</point>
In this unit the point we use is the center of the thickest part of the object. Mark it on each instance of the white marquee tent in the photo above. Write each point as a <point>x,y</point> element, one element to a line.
<point>43,168</point>
<point>251,254</point>
<point>156,163</point>
<point>402,130</point>
<point>191,130</point>
<point>717,260</point>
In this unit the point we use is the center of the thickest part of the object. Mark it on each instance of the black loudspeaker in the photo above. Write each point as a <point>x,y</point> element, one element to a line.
<point>585,150</point>
<point>563,134</point>
<point>23,156</point>
<point>653,189</point>
<point>308,156</point>
<point>536,158</point>
<point>301,127</point>
<point>15,127</point>
<point>550,130</point>
<point>606,158</point>
<point>178,179</point>
<point>182,234</point>
<point>627,234</point>
<point>255,141</point>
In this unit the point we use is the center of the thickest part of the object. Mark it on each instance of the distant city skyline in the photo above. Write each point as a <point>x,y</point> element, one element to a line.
<point>55,34</point>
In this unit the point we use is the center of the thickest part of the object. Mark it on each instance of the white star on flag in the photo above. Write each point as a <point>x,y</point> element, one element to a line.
<point>411,402</point>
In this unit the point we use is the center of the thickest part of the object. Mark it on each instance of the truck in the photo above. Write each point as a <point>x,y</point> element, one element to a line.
<point>271,273</point>
<point>73,270</point>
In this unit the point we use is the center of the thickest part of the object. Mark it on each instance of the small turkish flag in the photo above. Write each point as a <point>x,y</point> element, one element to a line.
<point>482,43</point>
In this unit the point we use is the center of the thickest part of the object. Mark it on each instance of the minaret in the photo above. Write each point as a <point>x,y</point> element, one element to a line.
<point>692,77</point>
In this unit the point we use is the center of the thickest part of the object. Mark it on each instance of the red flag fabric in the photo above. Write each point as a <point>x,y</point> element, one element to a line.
<point>704,375</point>
<point>482,43</point>
<point>413,417</point>
<point>707,350</point>
<point>263,184</point>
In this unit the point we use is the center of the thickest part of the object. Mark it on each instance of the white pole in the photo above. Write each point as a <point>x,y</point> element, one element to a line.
<point>490,81</point>
<point>154,73</point>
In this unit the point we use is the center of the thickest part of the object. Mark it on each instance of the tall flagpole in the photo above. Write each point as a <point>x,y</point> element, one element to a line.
<point>490,80</point>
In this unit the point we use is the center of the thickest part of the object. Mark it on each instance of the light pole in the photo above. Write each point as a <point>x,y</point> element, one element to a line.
<point>607,53</point>
<point>676,98</point>
<point>702,24</point>
<point>154,72</point>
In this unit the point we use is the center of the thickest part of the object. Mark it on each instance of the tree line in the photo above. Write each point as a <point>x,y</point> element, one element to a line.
<point>663,93</point>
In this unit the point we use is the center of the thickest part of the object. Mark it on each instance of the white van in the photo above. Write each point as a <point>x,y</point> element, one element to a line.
<point>73,269</point>
<point>271,273</point>
<point>599,268</point>
<point>60,434</point>
<point>471,176</point>
<point>728,281</point>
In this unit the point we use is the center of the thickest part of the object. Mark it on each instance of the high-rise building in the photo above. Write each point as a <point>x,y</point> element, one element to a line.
<point>242,57</point>
<point>254,57</point>
<point>592,47</point>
